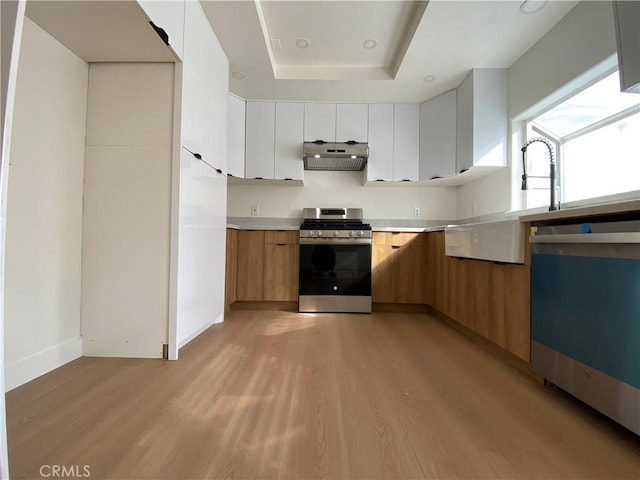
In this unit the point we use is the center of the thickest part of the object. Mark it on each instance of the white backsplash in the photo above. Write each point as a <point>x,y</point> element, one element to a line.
<point>342,189</point>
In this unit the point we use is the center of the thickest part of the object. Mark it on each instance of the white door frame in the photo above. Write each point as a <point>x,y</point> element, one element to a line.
<point>12,22</point>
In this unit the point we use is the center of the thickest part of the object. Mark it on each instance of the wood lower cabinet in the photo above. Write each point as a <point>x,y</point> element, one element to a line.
<point>281,259</point>
<point>397,270</point>
<point>511,303</point>
<point>267,265</point>
<point>489,298</point>
<point>382,276</point>
<point>250,281</point>
<point>231,268</point>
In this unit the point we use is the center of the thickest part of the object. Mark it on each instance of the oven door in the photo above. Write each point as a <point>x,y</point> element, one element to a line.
<point>335,276</point>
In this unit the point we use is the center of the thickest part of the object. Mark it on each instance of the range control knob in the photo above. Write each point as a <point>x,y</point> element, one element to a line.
<point>360,233</point>
<point>336,233</point>
<point>352,233</point>
<point>319,233</point>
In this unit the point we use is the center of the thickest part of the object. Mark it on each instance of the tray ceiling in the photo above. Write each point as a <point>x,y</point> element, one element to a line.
<point>414,40</point>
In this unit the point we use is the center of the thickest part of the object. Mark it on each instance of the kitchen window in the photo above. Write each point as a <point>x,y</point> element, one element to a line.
<point>594,133</point>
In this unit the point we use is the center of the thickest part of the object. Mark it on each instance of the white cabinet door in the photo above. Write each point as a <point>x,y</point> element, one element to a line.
<point>288,141</point>
<point>319,122</point>
<point>406,142</point>
<point>351,122</point>
<point>464,125</point>
<point>235,135</point>
<point>380,164</point>
<point>438,136</point>
<point>627,21</point>
<point>260,140</point>
<point>196,111</point>
<point>490,117</point>
<point>168,15</point>
<point>481,120</point>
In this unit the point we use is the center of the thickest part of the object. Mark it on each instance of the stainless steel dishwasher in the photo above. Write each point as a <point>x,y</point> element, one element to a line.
<point>585,314</point>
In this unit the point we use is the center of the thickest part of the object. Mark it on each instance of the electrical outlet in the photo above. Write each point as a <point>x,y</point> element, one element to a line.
<point>255,210</point>
<point>416,212</point>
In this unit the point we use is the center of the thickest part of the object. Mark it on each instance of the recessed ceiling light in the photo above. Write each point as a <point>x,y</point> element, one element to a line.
<point>429,78</point>
<point>369,44</point>
<point>532,6</point>
<point>303,43</point>
<point>238,75</point>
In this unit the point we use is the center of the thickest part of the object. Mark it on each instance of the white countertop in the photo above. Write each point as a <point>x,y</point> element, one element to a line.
<point>262,227</point>
<point>579,212</point>
<point>399,229</point>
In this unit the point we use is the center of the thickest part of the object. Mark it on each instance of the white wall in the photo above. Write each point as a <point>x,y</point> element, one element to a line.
<point>44,216</point>
<point>127,209</point>
<point>582,40</point>
<point>343,189</point>
<point>203,193</point>
<point>484,196</point>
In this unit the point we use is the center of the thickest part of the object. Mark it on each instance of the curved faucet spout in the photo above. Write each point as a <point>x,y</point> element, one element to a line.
<point>553,204</point>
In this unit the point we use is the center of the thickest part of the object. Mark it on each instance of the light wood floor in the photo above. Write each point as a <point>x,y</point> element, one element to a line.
<point>278,394</point>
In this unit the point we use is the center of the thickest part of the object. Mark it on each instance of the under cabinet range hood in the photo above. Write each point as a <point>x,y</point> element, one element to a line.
<point>332,156</point>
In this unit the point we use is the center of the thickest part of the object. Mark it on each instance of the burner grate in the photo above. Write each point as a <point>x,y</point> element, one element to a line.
<point>335,225</point>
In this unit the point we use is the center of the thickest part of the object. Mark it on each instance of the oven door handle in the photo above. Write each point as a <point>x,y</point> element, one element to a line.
<point>335,241</point>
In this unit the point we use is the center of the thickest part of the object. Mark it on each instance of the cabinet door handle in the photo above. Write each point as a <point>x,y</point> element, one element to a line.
<point>281,244</point>
<point>395,247</point>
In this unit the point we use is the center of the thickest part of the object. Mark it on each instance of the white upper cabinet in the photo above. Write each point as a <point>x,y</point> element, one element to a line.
<point>168,15</point>
<point>380,163</point>
<point>481,119</point>
<point>319,122</point>
<point>627,21</point>
<point>438,136</point>
<point>288,141</point>
<point>235,135</point>
<point>260,140</point>
<point>351,122</point>
<point>406,142</point>
<point>198,116</point>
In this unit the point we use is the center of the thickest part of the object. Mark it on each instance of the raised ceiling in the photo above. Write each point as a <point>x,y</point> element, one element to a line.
<point>414,40</point>
<point>360,40</point>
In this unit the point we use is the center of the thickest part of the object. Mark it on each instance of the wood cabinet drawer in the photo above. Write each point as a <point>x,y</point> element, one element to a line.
<point>288,237</point>
<point>398,239</point>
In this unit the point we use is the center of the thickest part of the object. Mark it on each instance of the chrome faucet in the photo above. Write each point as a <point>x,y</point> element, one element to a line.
<point>553,203</point>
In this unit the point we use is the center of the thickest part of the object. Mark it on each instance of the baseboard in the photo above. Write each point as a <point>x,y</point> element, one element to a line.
<point>25,370</point>
<point>488,346</point>
<point>400,308</point>
<point>284,306</point>
<point>218,319</point>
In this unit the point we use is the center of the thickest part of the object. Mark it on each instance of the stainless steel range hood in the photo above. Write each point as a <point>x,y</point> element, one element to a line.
<point>331,156</point>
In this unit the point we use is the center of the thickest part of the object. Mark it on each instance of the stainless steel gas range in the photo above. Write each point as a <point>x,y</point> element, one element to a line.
<point>335,261</point>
